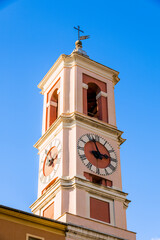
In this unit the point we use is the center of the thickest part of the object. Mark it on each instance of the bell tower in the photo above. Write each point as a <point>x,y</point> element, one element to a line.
<point>79,151</point>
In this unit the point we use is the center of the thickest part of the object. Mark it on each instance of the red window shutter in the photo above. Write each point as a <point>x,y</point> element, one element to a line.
<point>99,210</point>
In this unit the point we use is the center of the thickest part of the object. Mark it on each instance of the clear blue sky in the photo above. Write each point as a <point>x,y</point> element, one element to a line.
<point>125,35</point>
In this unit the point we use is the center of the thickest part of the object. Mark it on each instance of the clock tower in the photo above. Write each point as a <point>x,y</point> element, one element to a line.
<point>79,152</point>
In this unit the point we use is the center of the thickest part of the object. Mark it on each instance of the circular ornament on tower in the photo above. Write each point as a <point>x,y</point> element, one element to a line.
<point>97,154</point>
<point>50,160</point>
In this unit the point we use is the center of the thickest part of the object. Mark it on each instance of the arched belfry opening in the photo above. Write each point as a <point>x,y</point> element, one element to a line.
<point>92,103</point>
<point>52,111</point>
<point>53,107</point>
<point>54,100</point>
<point>95,98</point>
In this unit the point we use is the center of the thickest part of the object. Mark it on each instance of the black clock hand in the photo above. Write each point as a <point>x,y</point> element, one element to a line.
<point>105,155</point>
<point>96,145</point>
<point>52,159</point>
<point>98,152</point>
<point>95,153</point>
<point>99,155</point>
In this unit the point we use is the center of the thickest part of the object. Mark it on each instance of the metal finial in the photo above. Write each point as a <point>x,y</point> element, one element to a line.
<point>81,37</point>
<point>79,30</point>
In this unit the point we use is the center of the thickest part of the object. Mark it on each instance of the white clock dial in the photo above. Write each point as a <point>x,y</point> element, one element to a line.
<point>50,160</point>
<point>97,154</point>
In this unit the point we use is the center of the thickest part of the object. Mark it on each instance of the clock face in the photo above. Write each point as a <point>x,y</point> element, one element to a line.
<point>50,160</point>
<point>97,154</point>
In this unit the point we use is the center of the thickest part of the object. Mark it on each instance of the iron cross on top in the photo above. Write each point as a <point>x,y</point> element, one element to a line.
<point>82,37</point>
<point>79,30</point>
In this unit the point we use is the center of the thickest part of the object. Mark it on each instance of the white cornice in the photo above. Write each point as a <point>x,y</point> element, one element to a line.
<point>96,189</point>
<point>51,70</point>
<point>84,62</point>
<point>78,118</point>
<point>81,183</point>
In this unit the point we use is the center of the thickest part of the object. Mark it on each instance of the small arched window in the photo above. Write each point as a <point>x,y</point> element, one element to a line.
<point>54,101</point>
<point>95,99</point>
<point>92,104</point>
<point>52,109</point>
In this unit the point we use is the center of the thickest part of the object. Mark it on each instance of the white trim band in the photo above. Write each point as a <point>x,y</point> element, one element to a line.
<point>84,85</point>
<point>51,103</point>
<point>101,93</point>
<point>58,91</point>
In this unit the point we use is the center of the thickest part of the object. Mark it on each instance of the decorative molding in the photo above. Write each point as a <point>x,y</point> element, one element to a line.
<point>81,183</point>
<point>84,85</point>
<point>81,233</point>
<point>81,61</point>
<point>101,93</point>
<point>115,79</point>
<point>51,70</point>
<point>51,103</point>
<point>126,203</point>
<point>78,118</point>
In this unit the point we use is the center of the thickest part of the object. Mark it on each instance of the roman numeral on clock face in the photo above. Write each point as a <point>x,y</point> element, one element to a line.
<point>110,151</point>
<point>106,172</point>
<point>97,138</point>
<point>90,137</point>
<point>80,148</point>
<point>89,165</point>
<point>83,141</point>
<point>113,160</point>
<point>83,157</point>
<point>111,167</point>
<point>97,171</point>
